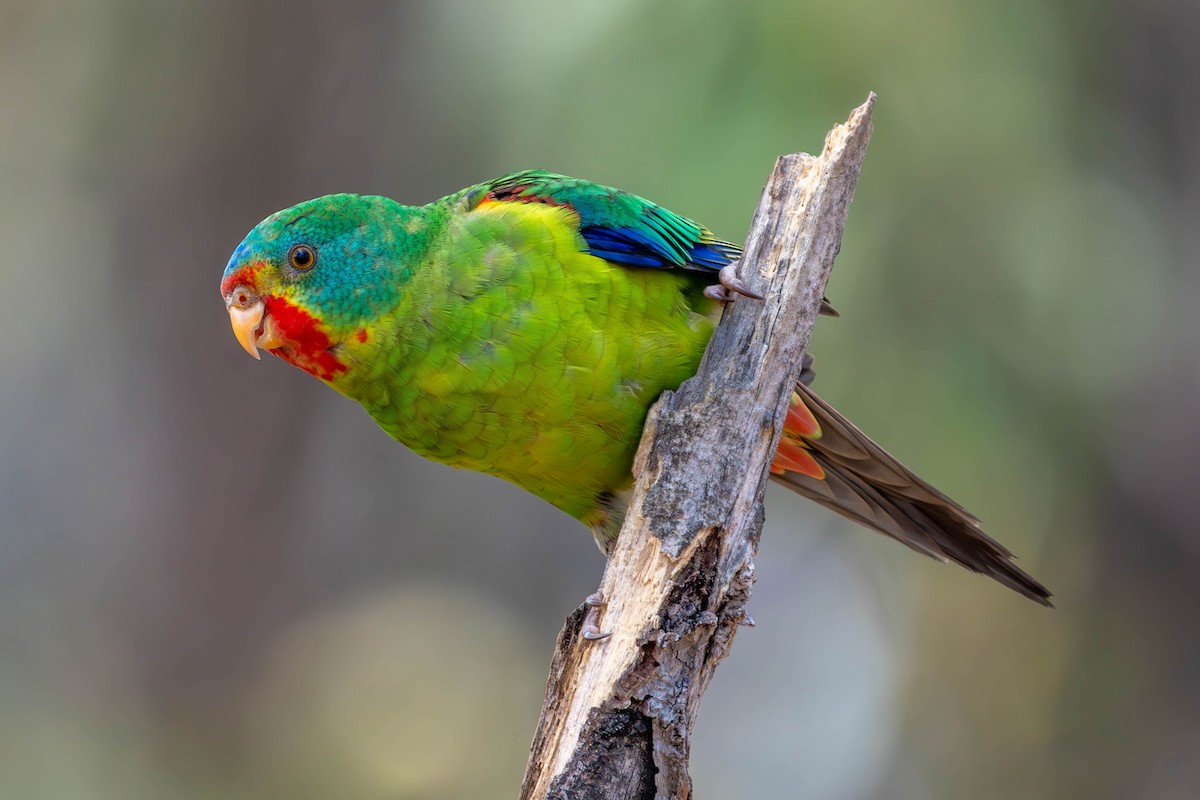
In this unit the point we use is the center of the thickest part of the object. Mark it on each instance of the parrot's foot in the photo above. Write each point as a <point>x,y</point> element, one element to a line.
<point>807,373</point>
<point>591,622</point>
<point>730,286</point>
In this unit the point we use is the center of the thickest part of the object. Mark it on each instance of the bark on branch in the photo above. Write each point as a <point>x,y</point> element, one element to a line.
<point>618,714</point>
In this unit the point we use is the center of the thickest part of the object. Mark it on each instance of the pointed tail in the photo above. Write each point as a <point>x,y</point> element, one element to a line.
<point>824,457</point>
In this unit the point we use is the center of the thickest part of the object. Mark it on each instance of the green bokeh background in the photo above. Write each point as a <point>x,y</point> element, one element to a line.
<point>220,580</point>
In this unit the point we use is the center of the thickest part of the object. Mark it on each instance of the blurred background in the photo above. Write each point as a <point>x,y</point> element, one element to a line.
<point>218,579</point>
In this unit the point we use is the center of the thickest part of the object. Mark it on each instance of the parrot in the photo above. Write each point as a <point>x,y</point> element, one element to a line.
<point>524,326</point>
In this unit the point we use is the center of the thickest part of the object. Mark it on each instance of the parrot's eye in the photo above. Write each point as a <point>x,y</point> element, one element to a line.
<point>302,256</point>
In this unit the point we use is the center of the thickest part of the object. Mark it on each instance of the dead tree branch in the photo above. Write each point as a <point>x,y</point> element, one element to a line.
<point>618,714</point>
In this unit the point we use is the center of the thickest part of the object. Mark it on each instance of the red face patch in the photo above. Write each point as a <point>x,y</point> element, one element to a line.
<point>244,276</point>
<point>307,345</point>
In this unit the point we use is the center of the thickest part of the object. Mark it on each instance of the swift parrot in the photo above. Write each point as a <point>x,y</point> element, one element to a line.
<point>524,326</point>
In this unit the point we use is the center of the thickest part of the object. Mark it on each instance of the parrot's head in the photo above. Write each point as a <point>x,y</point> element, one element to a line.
<point>311,279</point>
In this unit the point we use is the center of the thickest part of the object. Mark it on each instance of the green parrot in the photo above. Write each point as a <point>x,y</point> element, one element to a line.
<point>524,326</point>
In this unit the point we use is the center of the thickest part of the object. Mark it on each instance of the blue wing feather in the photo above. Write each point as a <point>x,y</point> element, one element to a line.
<point>617,226</point>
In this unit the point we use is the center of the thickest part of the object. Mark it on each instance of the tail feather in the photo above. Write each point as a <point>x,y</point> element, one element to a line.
<point>863,482</point>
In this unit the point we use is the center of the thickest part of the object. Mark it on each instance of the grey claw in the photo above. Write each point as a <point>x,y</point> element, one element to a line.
<point>730,280</point>
<point>730,286</point>
<point>719,293</point>
<point>591,622</point>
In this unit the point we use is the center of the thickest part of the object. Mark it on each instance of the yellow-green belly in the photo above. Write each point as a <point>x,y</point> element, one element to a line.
<point>516,353</point>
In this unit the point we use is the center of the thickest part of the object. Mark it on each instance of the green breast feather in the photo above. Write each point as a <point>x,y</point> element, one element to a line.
<point>515,352</point>
<point>521,327</point>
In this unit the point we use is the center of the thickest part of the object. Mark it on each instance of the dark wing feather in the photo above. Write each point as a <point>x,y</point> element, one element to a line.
<point>863,482</point>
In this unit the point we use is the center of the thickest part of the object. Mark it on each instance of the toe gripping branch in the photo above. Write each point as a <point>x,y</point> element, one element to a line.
<point>730,286</point>
<point>595,602</point>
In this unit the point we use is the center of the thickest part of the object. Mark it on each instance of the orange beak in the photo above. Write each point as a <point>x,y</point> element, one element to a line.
<point>253,327</point>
